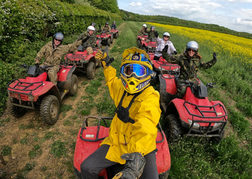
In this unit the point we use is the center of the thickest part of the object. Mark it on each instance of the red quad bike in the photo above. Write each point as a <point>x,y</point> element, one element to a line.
<point>105,39</point>
<point>37,92</point>
<point>115,33</point>
<point>141,39</point>
<point>90,137</point>
<point>151,46</point>
<point>85,63</point>
<point>194,115</point>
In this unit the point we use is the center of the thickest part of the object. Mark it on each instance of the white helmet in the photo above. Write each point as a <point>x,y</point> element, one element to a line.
<point>166,34</point>
<point>144,25</point>
<point>192,45</point>
<point>90,28</point>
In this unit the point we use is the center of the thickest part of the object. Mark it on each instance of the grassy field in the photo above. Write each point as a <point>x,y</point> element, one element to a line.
<point>35,150</point>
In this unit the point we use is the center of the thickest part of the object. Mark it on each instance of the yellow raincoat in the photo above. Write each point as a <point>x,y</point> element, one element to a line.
<point>145,111</point>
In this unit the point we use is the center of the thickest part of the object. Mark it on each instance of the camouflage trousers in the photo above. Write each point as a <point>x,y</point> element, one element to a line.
<point>181,88</point>
<point>52,74</point>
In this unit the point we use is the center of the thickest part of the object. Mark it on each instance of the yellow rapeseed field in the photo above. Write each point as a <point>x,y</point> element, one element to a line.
<point>238,47</point>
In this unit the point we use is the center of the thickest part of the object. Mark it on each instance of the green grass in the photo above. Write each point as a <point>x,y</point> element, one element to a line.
<point>58,149</point>
<point>6,150</point>
<point>36,151</point>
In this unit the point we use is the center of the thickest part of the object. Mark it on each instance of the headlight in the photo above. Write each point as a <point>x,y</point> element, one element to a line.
<point>30,97</point>
<point>176,69</point>
<point>216,125</point>
<point>142,38</point>
<point>195,124</point>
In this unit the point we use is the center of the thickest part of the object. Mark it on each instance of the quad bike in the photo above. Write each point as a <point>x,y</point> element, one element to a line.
<point>150,46</point>
<point>90,137</point>
<point>84,63</point>
<point>104,38</point>
<point>37,92</point>
<point>141,39</point>
<point>194,115</point>
<point>115,33</point>
<point>162,65</point>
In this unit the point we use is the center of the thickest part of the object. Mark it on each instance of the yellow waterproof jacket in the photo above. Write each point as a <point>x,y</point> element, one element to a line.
<point>145,111</point>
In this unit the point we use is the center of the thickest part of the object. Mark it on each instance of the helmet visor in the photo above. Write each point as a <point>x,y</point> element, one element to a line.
<point>129,69</point>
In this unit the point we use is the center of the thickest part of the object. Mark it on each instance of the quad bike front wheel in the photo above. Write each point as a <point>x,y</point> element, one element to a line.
<point>139,43</point>
<point>172,128</point>
<point>108,42</point>
<point>74,85</point>
<point>91,70</point>
<point>15,111</point>
<point>49,109</point>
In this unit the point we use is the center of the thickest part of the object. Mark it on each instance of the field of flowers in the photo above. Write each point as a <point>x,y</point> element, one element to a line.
<point>224,44</point>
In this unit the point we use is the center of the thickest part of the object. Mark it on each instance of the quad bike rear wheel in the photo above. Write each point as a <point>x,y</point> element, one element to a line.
<point>91,70</point>
<point>139,43</point>
<point>112,38</point>
<point>15,111</point>
<point>49,109</point>
<point>172,128</point>
<point>74,85</point>
<point>117,34</point>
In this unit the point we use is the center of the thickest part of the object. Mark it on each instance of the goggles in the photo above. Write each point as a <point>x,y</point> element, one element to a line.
<point>57,40</point>
<point>139,70</point>
<point>165,36</point>
<point>189,49</point>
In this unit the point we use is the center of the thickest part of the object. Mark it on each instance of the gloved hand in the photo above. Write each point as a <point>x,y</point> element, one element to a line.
<point>214,56</point>
<point>102,55</point>
<point>165,49</point>
<point>37,65</point>
<point>156,34</point>
<point>84,40</point>
<point>133,167</point>
<point>175,52</point>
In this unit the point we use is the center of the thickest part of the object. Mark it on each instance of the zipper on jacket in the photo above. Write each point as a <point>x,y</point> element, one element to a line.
<point>125,140</point>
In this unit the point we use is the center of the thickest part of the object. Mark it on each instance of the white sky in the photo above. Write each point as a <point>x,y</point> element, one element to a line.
<point>233,14</point>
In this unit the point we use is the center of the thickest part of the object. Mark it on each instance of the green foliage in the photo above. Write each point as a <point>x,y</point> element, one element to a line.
<point>129,16</point>
<point>65,108</point>
<point>107,5</point>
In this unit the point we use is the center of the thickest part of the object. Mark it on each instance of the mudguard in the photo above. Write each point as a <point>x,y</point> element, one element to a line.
<point>64,77</point>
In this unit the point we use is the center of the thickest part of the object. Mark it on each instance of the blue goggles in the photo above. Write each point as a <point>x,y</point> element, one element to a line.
<point>134,69</point>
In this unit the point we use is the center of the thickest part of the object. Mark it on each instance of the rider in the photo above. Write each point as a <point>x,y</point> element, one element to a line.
<point>113,26</point>
<point>189,63</point>
<point>143,31</point>
<point>91,42</point>
<point>152,34</point>
<point>53,52</point>
<point>161,44</point>
<point>133,132</point>
<point>106,28</point>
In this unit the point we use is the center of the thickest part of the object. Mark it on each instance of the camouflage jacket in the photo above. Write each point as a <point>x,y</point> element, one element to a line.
<point>151,34</point>
<point>142,31</point>
<point>53,56</point>
<point>106,28</point>
<point>188,66</point>
<point>90,42</point>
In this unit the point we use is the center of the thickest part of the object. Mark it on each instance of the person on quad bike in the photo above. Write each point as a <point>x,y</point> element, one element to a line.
<point>189,64</point>
<point>161,43</point>
<point>152,34</point>
<point>132,136</point>
<point>53,52</point>
<point>113,26</point>
<point>143,31</point>
<point>91,42</point>
<point>106,28</point>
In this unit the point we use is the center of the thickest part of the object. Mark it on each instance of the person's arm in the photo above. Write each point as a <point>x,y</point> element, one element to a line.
<point>168,58</point>
<point>40,55</point>
<point>172,48</point>
<point>209,64</point>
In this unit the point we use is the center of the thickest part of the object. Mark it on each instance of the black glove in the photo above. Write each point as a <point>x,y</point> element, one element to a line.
<point>165,49</point>
<point>156,34</point>
<point>37,65</point>
<point>175,52</point>
<point>84,40</point>
<point>214,56</point>
<point>133,167</point>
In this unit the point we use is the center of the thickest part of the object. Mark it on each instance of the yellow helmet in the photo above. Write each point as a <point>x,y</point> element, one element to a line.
<point>136,70</point>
